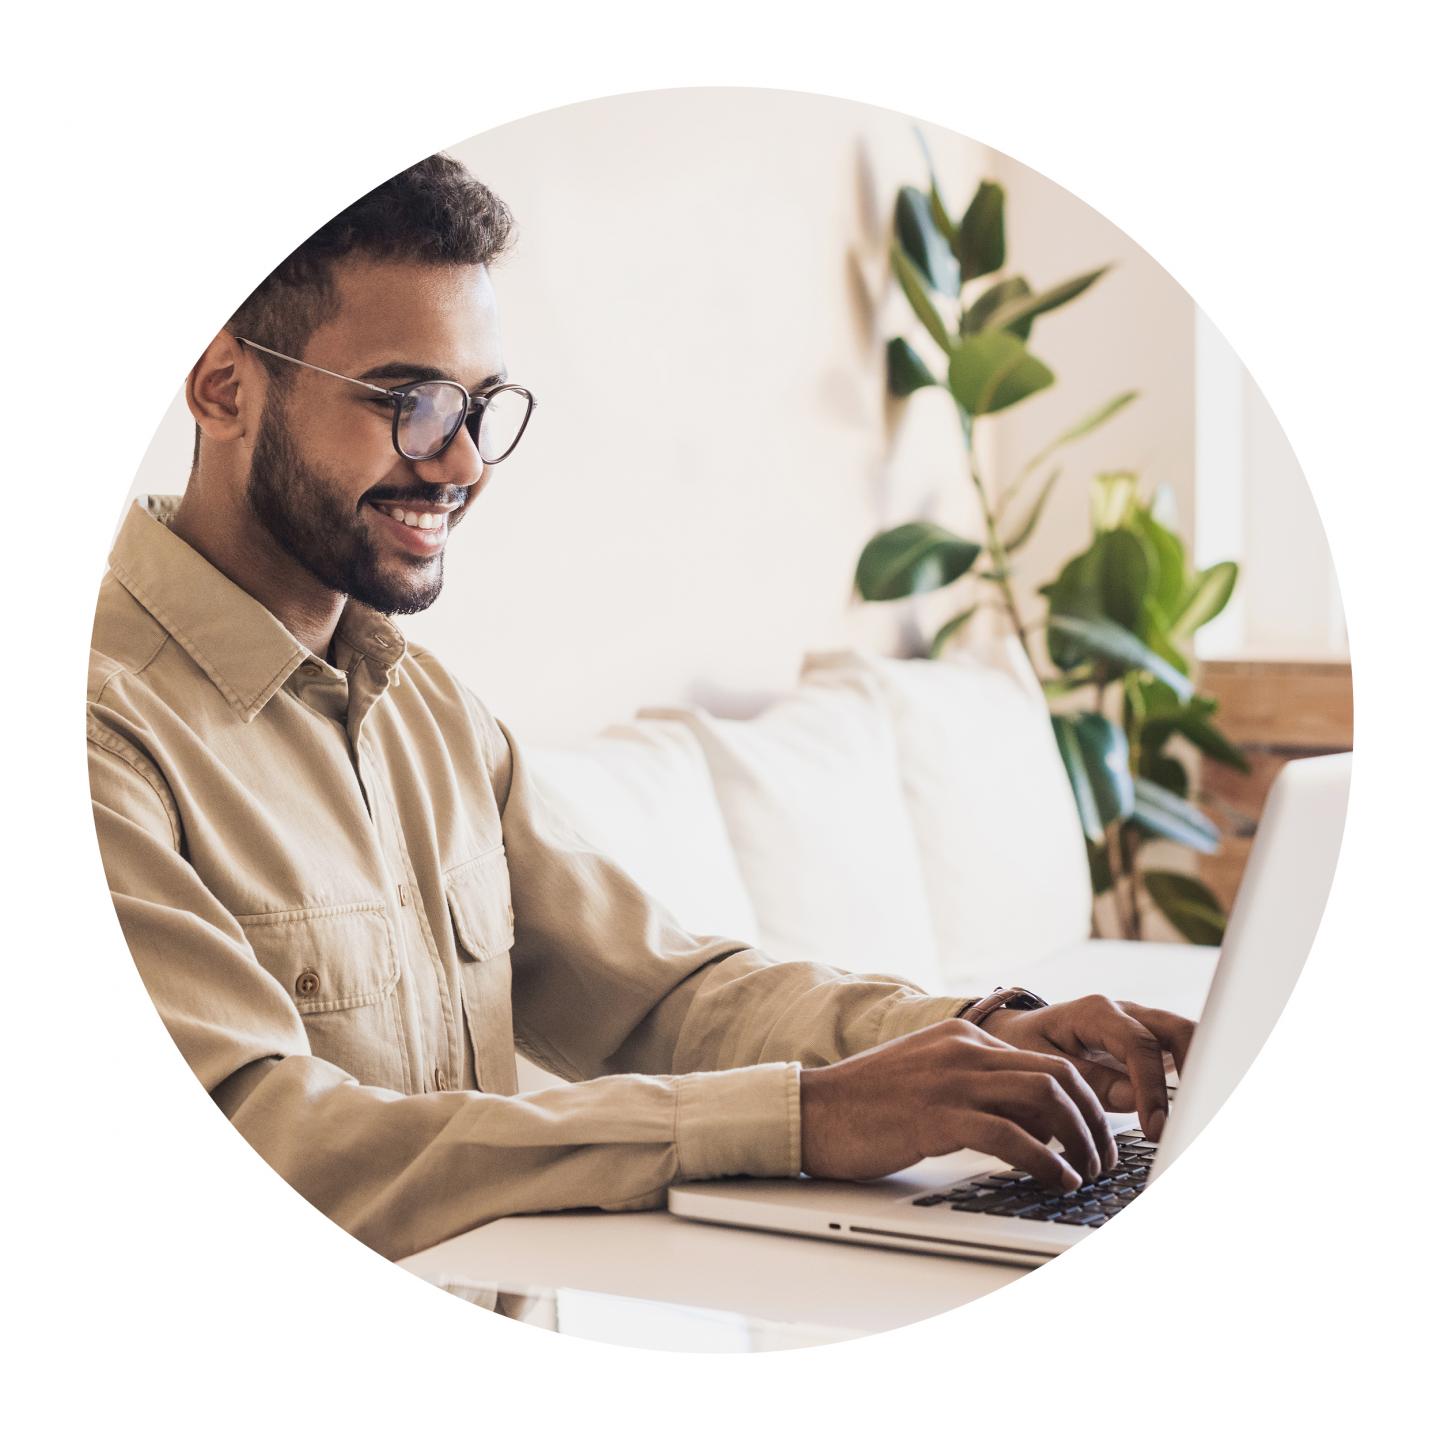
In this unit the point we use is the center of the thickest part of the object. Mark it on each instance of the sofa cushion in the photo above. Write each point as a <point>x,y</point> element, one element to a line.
<point>641,794</point>
<point>1001,849</point>
<point>810,792</point>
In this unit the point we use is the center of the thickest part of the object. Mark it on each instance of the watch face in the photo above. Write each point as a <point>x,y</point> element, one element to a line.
<point>1025,1000</point>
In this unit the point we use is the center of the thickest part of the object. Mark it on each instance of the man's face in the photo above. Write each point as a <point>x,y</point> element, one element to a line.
<point>323,461</point>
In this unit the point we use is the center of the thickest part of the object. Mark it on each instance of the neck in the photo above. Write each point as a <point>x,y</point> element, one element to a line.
<point>247,555</point>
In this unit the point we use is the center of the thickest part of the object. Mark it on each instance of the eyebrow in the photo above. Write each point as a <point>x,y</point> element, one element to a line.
<point>404,370</point>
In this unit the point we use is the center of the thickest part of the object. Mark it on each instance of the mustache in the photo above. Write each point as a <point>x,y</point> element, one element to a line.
<point>427,497</point>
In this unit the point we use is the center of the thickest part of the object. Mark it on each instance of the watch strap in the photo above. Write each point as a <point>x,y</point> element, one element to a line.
<point>1012,997</point>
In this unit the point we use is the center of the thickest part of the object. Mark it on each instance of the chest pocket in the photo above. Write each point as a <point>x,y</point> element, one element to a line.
<point>478,893</point>
<point>340,968</point>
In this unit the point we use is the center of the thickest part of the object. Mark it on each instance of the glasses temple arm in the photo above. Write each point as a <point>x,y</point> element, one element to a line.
<point>306,365</point>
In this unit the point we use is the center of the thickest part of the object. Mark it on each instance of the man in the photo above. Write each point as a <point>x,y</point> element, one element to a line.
<point>342,888</point>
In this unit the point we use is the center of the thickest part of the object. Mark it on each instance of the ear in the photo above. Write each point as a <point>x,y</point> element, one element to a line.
<point>225,390</point>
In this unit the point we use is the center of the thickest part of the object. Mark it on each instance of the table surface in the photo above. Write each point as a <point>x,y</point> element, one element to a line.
<point>791,1280</point>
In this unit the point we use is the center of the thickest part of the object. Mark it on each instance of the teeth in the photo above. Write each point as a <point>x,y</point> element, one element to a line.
<point>417,520</point>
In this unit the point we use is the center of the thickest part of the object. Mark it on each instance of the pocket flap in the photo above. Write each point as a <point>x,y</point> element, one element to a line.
<point>479,896</point>
<point>331,958</point>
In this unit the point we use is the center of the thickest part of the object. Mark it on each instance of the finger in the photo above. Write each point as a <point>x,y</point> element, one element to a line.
<point>1111,1084</point>
<point>1174,1031</point>
<point>1080,1093</point>
<point>1077,1087</point>
<point>1088,1104</point>
<point>1007,1141</point>
<point>1102,1023</point>
<point>1038,1102</point>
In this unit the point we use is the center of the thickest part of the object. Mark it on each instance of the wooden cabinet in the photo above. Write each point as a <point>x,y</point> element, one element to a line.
<point>1275,711</point>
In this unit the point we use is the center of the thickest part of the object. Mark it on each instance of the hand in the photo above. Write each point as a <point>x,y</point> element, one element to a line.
<point>1118,1047</point>
<point>949,1087</point>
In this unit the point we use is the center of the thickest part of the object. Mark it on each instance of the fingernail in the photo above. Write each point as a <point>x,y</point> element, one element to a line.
<point>1157,1124</point>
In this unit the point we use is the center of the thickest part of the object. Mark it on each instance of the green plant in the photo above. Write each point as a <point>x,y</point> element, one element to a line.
<point>1120,614</point>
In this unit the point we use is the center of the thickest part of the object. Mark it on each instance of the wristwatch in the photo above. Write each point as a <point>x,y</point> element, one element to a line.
<point>1013,997</point>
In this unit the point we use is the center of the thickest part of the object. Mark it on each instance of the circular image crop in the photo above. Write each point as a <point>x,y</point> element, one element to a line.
<point>719,719</point>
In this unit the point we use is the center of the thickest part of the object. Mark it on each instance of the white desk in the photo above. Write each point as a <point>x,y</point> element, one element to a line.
<point>787,1279</point>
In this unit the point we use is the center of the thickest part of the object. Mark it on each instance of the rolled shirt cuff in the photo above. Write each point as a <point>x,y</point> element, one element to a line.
<point>738,1122</point>
<point>915,1012</point>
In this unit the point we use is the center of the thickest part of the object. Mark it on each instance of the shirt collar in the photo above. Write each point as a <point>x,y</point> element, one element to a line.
<point>240,645</point>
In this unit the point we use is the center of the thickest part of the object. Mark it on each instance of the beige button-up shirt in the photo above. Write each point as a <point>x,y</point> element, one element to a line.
<point>351,906</point>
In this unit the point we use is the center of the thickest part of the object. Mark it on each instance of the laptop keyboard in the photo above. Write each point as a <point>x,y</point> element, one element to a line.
<point>1015,1195</point>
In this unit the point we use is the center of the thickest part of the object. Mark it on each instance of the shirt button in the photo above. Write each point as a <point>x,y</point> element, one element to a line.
<point>308,983</point>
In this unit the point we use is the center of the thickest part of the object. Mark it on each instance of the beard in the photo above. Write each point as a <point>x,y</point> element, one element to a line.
<point>301,509</point>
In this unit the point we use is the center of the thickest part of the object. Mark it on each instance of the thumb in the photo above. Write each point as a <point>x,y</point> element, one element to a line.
<point>1113,1087</point>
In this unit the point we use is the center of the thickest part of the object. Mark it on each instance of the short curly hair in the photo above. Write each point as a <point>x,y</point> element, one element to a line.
<point>435,211</point>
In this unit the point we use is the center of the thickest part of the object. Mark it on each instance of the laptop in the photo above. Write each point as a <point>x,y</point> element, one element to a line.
<point>964,1205</point>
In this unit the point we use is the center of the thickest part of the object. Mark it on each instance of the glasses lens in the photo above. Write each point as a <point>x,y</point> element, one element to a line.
<point>429,415</point>
<point>501,423</point>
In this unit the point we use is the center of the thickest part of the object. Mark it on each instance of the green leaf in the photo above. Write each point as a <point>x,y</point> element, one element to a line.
<point>1106,754</point>
<point>1167,578</point>
<point>1112,499</point>
<point>993,370</point>
<point>1107,581</point>
<point>1063,685</point>
<point>1167,772</point>
<point>1102,638</point>
<point>1188,905</point>
<point>949,630</point>
<point>913,284</point>
<point>921,240</point>
<point>1100,877</point>
<point>1027,526</point>
<point>980,312</point>
<point>1207,597</point>
<point>1124,577</point>
<point>938,213</point>
<point>912,559</point>
<point>1077,431</point>
<point>1173,818</point>
<point>1198,730</point>
<point>1075,767</point>
<point>1022,309</point>
<point>1156,635</point>
<point>980,237</point>
<point>905,371</point>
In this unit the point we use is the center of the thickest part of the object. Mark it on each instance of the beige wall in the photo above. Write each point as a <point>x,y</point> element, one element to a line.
<point>1133,330</point>
<point>700,298</point>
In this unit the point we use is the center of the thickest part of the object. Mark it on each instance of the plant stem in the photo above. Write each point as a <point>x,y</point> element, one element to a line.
<point>999,557</point>
<point>1128,854</point>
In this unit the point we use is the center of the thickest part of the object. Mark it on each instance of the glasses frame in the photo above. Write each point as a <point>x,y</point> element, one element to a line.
<point>474,405</point>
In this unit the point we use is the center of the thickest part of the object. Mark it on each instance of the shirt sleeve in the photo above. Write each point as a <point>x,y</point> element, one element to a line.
<point>605,980</point>
<point>404,1172</point>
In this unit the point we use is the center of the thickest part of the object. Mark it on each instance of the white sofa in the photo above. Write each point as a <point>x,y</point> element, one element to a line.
<point>909,817</point>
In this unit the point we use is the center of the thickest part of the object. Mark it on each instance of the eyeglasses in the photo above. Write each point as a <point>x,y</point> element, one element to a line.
<point>429,413</point>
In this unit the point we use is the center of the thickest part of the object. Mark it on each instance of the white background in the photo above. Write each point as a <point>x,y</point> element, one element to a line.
<point>1275,159</point>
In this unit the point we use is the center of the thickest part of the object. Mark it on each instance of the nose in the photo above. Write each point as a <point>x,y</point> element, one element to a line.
<point>459,464</point>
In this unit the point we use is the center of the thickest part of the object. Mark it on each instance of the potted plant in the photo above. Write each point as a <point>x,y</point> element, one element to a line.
<point>1120,614</point>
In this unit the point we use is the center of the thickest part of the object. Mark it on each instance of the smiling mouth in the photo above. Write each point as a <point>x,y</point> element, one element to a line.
<point>420,530</point>
<point>416,517</point>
